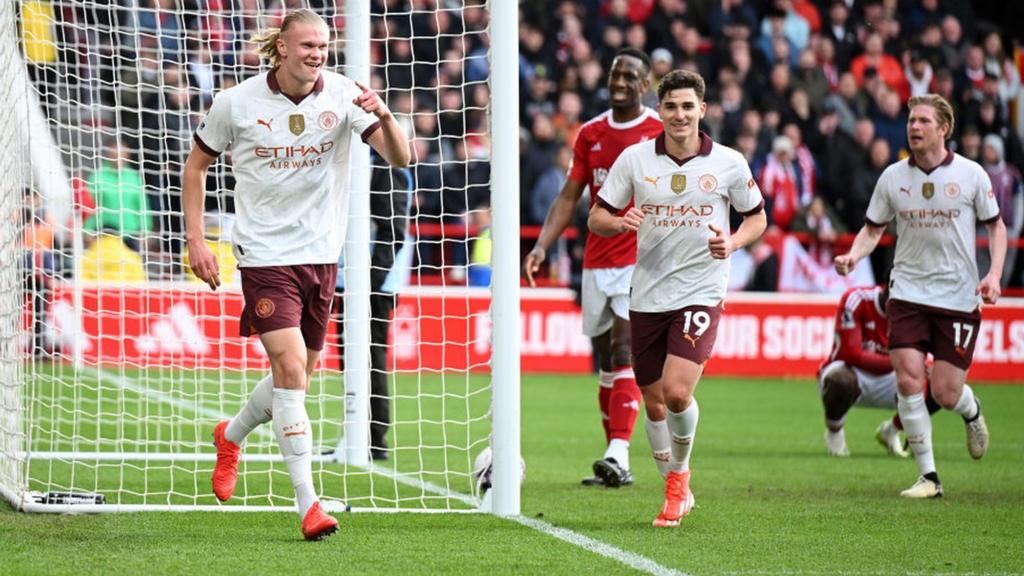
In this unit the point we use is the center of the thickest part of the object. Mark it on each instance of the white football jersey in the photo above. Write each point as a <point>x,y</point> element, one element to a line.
<point>290,162</point>
<point>674,266</point>
<point>936,215</point>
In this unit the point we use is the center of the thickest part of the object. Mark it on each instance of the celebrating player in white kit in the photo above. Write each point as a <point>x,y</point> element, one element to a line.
<point>937,197</point>
<point>682,184</point>
<point>289,131</point>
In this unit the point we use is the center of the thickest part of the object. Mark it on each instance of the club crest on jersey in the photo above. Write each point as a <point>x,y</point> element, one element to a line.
<point>327,120</point>
<point>928,190</point>
<point>678,183</point>
<point>708,182</point>
<point>952,190</point>
<point>297,124</point>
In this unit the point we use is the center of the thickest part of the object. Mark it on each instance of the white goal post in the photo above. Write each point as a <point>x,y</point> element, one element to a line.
<point>116,363</point>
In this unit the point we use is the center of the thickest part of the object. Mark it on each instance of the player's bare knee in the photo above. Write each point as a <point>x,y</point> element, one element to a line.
<point>909,384</point>
<point>654,405</point>
<point>946,397</point>
<point>290,373</point>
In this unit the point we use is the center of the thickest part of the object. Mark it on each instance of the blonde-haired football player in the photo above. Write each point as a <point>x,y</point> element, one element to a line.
<point>289,132</point>
<point>682,184</point>
<point>937,198</point>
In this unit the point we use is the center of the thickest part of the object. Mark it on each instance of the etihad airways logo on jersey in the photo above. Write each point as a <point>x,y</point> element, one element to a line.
<point>295,156</point>
<point>670,216</point>
<point>929,218</point>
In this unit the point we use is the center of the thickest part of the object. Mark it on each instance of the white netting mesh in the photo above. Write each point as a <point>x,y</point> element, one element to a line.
<point>119,362</point>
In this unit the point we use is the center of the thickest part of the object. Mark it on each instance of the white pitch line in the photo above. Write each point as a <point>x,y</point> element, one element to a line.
<point>630,559</point>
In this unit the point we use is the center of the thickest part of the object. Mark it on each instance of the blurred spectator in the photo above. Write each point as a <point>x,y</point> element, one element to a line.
<point>733,19</point>
<point>953,46</point>
<point>1007,187</point>
<point>40,265</point>
<point>846,103</point>
<point>970,143</point>
<point>819,221</point>
<point>780,182</point>
<point>661,64</point>
<point>922,13</point>
<point>840,31</point>
<point>810,78</point>
<point>548,185</point>
<point>888,68</point>
<point>480,250</point>
<point>919,73</point>
<point>121,206</point>
<point>781,18</point>
<point>890,120</point>
<point>989,122</point>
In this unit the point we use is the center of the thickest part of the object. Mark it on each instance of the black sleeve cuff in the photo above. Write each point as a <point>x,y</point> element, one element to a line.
<point>991,220</point>
<point>202,146</point>
<point>604,203</point>
<point>754,210</point>
<point>369,131</point>
<point>871,222</point>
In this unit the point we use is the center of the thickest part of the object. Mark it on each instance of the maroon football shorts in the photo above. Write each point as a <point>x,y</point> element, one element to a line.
<point>688,333</point>
<point>948,335</point>
<point>288,297</point>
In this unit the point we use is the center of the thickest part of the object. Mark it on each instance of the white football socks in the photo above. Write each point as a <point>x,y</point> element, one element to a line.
<point>966,406</point>
<point>257,410</point>
<point>661,444</point>
<point>619,450</point>
<point>295,438</point>
<point>683,428</point>
<point>917,425</point>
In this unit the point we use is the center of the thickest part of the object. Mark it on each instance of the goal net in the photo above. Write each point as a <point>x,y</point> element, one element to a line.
<point>116,363</point>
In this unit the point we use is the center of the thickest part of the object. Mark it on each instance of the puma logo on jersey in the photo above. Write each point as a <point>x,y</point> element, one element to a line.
<point>265,123</point>
<point>653,181</point>
<point>905,190</point>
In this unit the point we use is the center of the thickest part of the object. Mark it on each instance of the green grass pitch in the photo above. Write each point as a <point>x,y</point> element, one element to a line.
<point>769,501</point>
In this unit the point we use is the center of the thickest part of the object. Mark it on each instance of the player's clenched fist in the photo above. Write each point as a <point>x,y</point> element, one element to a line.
<point>631,220</point>
<point>844,264</point>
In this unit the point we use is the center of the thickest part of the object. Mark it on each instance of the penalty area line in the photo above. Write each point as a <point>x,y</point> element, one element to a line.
<point>633,560</point>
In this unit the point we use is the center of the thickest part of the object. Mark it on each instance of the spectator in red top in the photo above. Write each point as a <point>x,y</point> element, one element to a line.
<point>888,68</point>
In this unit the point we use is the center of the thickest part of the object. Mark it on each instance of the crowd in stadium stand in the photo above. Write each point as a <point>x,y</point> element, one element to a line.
<point>813,93</point>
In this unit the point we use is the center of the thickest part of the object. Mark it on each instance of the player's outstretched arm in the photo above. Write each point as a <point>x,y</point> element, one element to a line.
<point>604,223</point>
<point>390,141</point>
<point>558,219</point>
<point>989,285</point>
<point>193,196</point>
<point>863,245</point>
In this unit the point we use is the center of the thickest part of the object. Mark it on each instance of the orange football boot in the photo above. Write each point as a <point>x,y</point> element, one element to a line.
<point>225,472</point>
<point>678,500</point>
<point>317,524</point>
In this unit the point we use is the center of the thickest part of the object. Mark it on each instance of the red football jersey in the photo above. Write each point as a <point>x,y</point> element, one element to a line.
<point>599,143</point>
<point>862,332</point>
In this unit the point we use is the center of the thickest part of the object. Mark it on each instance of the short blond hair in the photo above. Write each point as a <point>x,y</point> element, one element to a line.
<point>266,41</point>
<point>943,110</point>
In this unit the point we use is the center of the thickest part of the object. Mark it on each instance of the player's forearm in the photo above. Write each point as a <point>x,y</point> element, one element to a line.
<point>558,219</point>
<point>997,247</point>
<point>602,222</point>
<point>193,196</point>
<point>395,147</point>
<point>865,241</point>
<point>750,229</point>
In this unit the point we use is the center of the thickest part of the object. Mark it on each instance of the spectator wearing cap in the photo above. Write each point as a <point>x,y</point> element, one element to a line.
<point>782,18</point>
<point>1009,192</point>
<point>661,64</point>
